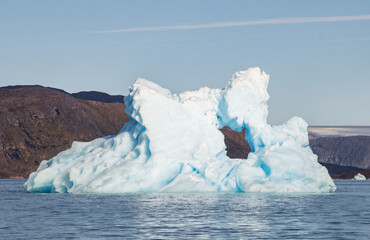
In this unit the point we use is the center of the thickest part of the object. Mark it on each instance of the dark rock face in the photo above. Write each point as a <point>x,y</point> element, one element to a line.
<point>236,145</point>
<point>343,151</point>
<point>36,123</point>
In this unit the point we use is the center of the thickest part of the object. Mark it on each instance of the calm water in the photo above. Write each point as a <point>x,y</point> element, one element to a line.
<point>344,214</point>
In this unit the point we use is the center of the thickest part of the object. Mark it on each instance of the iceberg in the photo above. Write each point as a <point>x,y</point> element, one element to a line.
<point>172,143</point>
<point>359,176</point>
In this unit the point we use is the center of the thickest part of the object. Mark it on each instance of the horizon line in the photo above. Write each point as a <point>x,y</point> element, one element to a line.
<point>291,20</point>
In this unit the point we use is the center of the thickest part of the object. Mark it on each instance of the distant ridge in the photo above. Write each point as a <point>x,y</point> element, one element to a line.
<point>28,86</point>
<point>98,96</point>
<point>83,95</point>
<point>337,131</point>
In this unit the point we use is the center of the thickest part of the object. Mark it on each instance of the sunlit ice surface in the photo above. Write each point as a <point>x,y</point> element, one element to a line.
<point>172,144</point>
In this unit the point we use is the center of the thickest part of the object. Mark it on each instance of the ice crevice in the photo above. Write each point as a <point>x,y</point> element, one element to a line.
<point>172,144</point>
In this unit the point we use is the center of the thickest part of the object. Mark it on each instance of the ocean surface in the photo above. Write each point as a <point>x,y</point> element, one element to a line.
<point>344,214</point>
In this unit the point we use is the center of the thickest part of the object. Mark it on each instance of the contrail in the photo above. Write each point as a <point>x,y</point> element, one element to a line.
<point>242,23</point>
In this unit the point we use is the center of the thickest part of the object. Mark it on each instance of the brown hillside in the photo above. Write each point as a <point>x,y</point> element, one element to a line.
<point>36,123</point>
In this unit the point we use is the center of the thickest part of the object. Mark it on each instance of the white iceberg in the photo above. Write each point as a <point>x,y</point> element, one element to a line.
<point>359,176</point>
<point>172,144</point>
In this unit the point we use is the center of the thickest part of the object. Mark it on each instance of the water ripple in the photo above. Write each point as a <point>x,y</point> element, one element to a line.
<point>344,214</point>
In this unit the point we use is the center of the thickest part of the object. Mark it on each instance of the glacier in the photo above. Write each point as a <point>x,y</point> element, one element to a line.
<point>172,143</point>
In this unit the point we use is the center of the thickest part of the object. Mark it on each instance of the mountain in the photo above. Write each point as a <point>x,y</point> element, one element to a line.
<point>343,150</point>
<point>37,122</point>
<point>353,151</point>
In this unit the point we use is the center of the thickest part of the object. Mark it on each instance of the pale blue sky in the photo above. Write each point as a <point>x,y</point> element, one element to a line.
<point>319,71</point>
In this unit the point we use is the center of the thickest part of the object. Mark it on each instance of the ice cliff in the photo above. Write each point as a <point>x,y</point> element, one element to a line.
<point>172,144</point>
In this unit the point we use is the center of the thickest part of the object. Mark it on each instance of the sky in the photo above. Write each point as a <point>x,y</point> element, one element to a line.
<point>317,53</point>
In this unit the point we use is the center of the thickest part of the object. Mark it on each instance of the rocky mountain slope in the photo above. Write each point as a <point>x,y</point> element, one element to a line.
<point>351,151</point>
<point>36,123</point>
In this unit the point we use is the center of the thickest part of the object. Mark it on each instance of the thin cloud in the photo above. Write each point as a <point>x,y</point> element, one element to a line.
<point>242,23</point>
